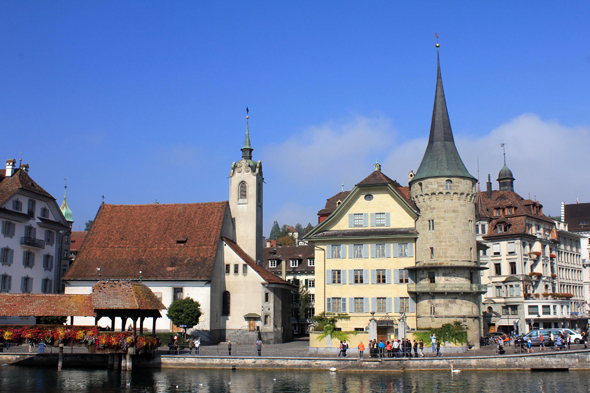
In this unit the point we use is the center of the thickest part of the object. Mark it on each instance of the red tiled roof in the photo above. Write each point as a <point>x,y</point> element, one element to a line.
<point>76,240</point>
<point>163,241</point>
<point>332,203</point>
<point>265,274</point>
<point>36,305</point>
<point>377,178</point>
<point>126,295</point>
<point>20,180</point>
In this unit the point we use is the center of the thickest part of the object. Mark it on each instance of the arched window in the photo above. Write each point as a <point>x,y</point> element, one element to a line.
<point>243,192</point>
<point>448,185</point>
<point>225,307</point>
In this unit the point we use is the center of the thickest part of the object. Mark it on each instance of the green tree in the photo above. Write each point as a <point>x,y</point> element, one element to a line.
<point>299,228</point>
<point>184,312</point>
<point>88,225</point>
<point>51,320</point>
<point>326,322</point>
<point>301,301</point>
<point>285,241</point>
<point>274,232</point>
<point>307,229</point>
<point>284,231</point>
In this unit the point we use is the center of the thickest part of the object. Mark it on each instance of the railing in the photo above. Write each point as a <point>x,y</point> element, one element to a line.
<point>447,288</point>
<point>31,241</point>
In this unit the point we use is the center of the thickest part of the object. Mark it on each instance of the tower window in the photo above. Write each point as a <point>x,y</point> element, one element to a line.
<point>243,192</point>
<point>431,225</point>
<point>448,185</point>
<point>225,307</point>
<point>431,252</point>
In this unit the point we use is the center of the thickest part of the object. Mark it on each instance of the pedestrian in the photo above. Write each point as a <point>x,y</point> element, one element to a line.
<point>421,347</point>
<point>229,348</point>
<point>381,349</point>
<point>259,346</point>
<point>344,348</point>
<point>438,353</point>
<point>585,338</point>
<point>569,341</point>
<point>361,350</point>
<point>415,348</point>
<point>408,348</point>
<point>529,343</point>
<point>395,347</point>
<point>191,345</point>
<point>541,342</point>
<point>197,345</point>
<point>558,342</point>
<point>340,348</point>
<point>389,349</point>
<point>433,342</point>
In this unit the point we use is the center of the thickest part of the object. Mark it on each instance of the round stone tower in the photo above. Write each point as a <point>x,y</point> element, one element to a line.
<point>447,273</point>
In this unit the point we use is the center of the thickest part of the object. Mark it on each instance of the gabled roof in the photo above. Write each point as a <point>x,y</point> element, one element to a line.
<point>378,178</point>
<point>265,274</point>
<point>76,240</point>
<point>301,253</point>
<point>124,295</point>
<point>332,203</point>
<point>163,241</point>
<point>20,180</point>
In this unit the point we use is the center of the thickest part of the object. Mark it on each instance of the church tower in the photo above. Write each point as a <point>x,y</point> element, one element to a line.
<point>245,200</point>
<point>447,272</point>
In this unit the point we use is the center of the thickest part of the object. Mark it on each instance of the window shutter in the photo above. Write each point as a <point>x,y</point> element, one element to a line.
<point>396,276</point>
<point>389,308</point>
<point>388,250</point>
<point>12,229</point>
<point>373,276</point>
<point>365,219</point>
<point>374,304</point>
<point>343,305</point>
<point>343,275</point>
<point>372,219</point>
<point>329,251</point>
<point>350,250</point>
<point>395,250</point>
<point>350,304</point>
<point>410,249</point>
<point>32,259</point>
<point>34,233</point>
<point>366,305</point>
<point>388,276</point>
<point>412,305</point>
<point>365,276</point>
<point>350,220</point>
<point>4,228</point>
<point>365,250</point>
<point>24,258</point>
<point>22,284</point>
<point>387,219</point>
<point>9,283</point>
<point>329,277</point>
<point>351,276</point>
<point>373,250</point>
<point>328,305</point>
<point>343,251</point>
<point>10,256</point>
<point>396,309</point>
<point>411,274</point>
<point>306,283</point>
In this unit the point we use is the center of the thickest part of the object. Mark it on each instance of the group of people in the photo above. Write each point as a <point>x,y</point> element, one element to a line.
<point>394,349</point>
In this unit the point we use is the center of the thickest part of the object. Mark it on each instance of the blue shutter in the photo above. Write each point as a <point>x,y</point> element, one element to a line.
<point>343,251</point>
<point>412,305</point>
<point>365,276</point>
<point>365,219</point>
<point>388,276</point>
<point>343,305</point>
<point>395,276</point>
<point>351,278</point>
<point>410,249</point>
<point>366,305</point>
<point>389,310</point>
<point>395,250</point>
<point>372,219</point>
<point>10,256</point>
<point>350,304</point>
<point>328,305</point>
<point>23,286</point>
<point>329,277</point>
<point>373,276</point>
<point>411,274</point>
<point>365,250</point>
<point>388,250</point>
<point>329,251</point>
<point>387,219</point>
<point>3,227</point>
<point>9,283</point>
<point>396,309</point>
<point>351,250</point>
<point>374,304</point>
<point>343,275</point>
<point>373,251</point>
<point>350,220</point>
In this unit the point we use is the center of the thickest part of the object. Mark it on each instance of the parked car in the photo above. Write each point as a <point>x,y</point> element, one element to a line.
<point>534,335</point>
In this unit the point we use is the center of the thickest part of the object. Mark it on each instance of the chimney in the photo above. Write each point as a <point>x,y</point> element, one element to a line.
<point>562,211</point>
<point>489,187</point>
<point>10,165</point>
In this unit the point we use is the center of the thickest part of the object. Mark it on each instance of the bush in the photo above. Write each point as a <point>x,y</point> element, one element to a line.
<point>453,333</point>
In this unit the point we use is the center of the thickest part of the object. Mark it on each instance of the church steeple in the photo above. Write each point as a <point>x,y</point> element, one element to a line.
<point>441,158</point>
<point>69,216</point>
<point>247,148</point>
<point>505,177</point>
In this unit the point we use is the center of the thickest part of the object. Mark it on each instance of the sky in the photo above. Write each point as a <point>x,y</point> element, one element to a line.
<point>145,101</point>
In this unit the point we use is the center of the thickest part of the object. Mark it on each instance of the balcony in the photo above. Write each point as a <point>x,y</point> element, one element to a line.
<point>32,242</point>
<point>446,288</point>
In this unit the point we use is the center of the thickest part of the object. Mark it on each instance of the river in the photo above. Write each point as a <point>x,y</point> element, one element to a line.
<point>14,379</point>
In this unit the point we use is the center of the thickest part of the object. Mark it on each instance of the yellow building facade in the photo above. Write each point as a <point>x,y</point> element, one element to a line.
<point>362,251</point>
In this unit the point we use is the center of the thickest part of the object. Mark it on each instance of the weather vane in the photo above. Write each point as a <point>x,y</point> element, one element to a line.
<point>504,151</point>
<point>437,44</point>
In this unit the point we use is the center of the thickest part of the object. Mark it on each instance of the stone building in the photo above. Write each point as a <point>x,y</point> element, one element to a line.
<point>447,280</point>
<point>577,218</point>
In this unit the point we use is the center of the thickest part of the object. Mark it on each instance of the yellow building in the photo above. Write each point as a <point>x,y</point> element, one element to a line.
<point>363,248</point>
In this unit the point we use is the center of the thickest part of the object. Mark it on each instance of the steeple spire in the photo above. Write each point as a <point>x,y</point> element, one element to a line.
<point>247,148</point>
<point>441,158</point>
<point>65,210</point>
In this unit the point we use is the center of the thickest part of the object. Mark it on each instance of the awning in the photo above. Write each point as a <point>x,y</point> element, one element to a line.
<point>507,321</point>
<point>251,315</point>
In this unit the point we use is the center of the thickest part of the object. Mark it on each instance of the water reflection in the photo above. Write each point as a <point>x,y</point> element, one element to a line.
<point>21,380</point>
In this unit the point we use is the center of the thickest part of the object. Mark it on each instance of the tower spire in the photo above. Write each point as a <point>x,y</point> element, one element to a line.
<point>68,215</point>
<point>247,148</point>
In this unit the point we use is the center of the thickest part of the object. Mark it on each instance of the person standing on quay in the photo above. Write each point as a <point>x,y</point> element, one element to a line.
<point>421,347</point>
<point>585,338</point>
<point>197,345</point>
<point>229,348</point>
<point>438,353</point>
<point>415,348</point>
<point>259,346</point>
<point>541,342</point>
<point>433,342</point>
<point>361,350</point>
<point>381,349</point>
<point>191,345</point>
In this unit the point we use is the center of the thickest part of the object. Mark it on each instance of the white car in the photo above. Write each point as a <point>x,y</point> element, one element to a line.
<point>577,337</point>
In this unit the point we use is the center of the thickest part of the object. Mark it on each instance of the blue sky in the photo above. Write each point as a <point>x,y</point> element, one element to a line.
<point>144,101</point>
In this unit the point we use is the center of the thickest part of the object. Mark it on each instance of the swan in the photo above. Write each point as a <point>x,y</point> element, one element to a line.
<point>453,370</point>
<point>333,369</point>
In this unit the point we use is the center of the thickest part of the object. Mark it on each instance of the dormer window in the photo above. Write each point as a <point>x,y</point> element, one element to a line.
<point>294,262</point>
<point>497,212</point>
<point>44,212</point>
<point>182,240</point>
<point>272,263</point>
<point>502,228</point>
<point>448,185</point>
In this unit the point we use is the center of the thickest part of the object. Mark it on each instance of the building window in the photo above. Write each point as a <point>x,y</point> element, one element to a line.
<point>431,252</point>
<point>266,297</point>
<point>358,220</point>
<point>294,262</point>
<point>533,310</point>
<point>311,283</point>
<point>178,293</point>
<point>8,229</point>
<point>546,310</point>
<point>358,276</point>
<point>336,251</point>
<point>484,229</point>
<point>244,268</point>
<point>336,276</point>
<point>403,276</point>
<point>271,263</point>
<point>17,205</point>
<point>448,185</point>
<point>236,268</point>
<point>432,277</point>
<point>227,268</point>
<point>358,251</point>
<point>312,298</point>
<point>477,229</point>
<point>512,267</point>
<point>49,237</point>
<point>28,259</point>
<point>47,262</point>
<point>404,304</point>
<point>6,256</point>
<point>381,304</point>
<point>44,212</point>
<point>380,219</point>
<point>5,283</point>
<point>496,248</point>
<point>46,286</point>
<point>311,262</point>
<point>431,225</point>
<point>266,320</point>
<point>498,269</point>
<point>402,250</point>
<point>31,208</point>
<point>225,305</point>
<point>336,305</point>
<point>381,276</point>
<point>498,291</point>
<point>243,192</point>
<point>379,250</point>
<point>26,284</point>
<point>368,197</point>
<point>359,304</point>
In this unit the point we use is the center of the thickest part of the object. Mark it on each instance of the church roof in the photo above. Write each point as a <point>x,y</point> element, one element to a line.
<point>163,241</point>
<point>76,240</point>
<point>441,158</point>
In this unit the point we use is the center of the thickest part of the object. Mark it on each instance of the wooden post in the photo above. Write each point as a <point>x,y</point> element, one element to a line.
<point>117,360</point>
<point>154,327</point>
<point>130,351</point>
<point>112,324</point>
<point>71,320</point>
<point>123,323</point>
<point>60,357</point>
<point>141,325</point>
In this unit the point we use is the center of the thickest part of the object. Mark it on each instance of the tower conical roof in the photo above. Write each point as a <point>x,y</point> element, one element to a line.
<point>441,158</point>
<point>505,174</point>
<point>69,216</point>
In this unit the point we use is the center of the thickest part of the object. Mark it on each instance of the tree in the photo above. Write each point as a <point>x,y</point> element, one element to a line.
<point>184,313</point>
<point>274,232</point>
<point>51,320</point>
<point>299,229</point>
<point>307,229</point>
<point>285,241</point>
<point>301,301</point>
<point>326,322</point>
<point>88,225</point>
<point>284,231</point>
